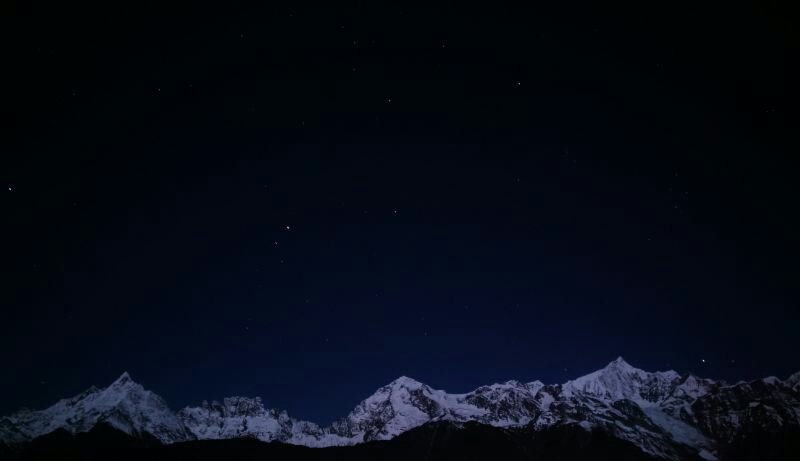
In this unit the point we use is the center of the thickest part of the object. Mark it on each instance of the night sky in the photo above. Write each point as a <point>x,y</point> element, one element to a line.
<point>304,204</point>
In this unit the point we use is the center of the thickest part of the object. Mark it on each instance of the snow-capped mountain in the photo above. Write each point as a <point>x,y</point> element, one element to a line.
<point>663,413</point>
<point>406,403</point>
<point>247,417</point>
<point>619,381</point>
<point>124,405</point>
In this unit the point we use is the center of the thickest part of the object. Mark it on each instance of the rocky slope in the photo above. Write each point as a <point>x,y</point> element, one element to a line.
<point>665,414</point>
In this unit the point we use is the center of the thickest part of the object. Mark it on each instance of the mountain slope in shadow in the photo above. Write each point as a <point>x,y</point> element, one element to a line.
<point>434,441</point>
<point>439,441</point>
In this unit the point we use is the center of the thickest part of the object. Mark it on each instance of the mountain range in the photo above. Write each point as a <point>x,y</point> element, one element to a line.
<point>665,415</point>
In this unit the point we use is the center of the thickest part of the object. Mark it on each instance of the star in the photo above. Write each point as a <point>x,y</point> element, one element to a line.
<point>703,360</point>
<point>288,227</point>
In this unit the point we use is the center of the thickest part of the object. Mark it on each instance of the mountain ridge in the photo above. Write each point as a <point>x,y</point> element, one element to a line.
<point>663,413</point>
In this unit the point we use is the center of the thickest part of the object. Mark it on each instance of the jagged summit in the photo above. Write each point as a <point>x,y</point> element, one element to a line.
<point>620,361</point>
<point>124,378</point>
<point>623,366</point>
<point>406,381</point>
<point>618,380</point>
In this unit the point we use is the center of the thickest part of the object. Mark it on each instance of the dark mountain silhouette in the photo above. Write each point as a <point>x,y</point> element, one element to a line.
<point>430,442</point>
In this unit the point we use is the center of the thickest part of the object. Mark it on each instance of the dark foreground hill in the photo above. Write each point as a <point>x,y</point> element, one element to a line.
<point>433,441</point>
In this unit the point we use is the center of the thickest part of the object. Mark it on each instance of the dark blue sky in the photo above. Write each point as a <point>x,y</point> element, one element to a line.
<point>305,204</point>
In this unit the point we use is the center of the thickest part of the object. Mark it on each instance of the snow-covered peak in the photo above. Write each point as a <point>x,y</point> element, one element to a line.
<point>693,387</point>
<point>686,391</point>
<point>123,380</point>
<point>402,404</point>
<point>500,386</point>
<point>500,390</point>
<point>621,364</point>
<point>124,405</point>
<point>618,380</point>
<point>405,382</point>
<point>402,392</point>
<point>534,386</point>
<point>122,387</point>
